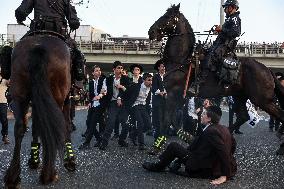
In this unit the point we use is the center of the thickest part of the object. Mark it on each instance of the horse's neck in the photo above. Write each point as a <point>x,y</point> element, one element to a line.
<point>179,46</point>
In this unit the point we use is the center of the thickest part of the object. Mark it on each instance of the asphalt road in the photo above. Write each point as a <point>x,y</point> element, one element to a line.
<point>258,166</point>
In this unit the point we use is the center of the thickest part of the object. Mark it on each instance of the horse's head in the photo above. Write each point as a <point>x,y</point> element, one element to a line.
<point>166,24</point>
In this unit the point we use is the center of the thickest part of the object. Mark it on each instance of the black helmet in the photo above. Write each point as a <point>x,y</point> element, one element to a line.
<point>231,2</point>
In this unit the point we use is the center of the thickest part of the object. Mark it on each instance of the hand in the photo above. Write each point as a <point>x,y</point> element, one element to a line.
<point>218,28</point>
<point>219,180</point>
<point>119,102</point>
<point>89,105</point>
<point>119,86</point>
<point>96,98</point>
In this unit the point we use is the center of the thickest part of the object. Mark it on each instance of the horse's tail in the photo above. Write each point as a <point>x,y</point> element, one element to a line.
<point>279,90</point>
<point>5,61</point>
<point>47,117</point>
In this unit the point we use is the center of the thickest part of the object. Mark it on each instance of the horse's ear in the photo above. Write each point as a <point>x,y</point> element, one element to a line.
<point>178,6</point>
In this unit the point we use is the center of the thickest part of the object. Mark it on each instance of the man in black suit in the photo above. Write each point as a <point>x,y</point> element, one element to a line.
<point>158,104</point>
<point>138,100</point>
<point>210,154</point>
<point>97,107</point>
<point>116,86</point>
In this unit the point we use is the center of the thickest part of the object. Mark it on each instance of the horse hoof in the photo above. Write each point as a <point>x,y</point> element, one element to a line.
<point>70,166</point>
<point>49,179</point>
<point>12,185</point>
<point>280,151</point>
<point>32,164</point>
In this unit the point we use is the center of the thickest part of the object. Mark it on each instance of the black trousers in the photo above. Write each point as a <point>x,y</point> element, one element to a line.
<point>4,119</point>
<point>157,120</point>
<point>113,111</point>
<point>175,150</point>
<point>95,117</point>
<point>123,117</point>
<point>141,115</point>
<point>274,123</point>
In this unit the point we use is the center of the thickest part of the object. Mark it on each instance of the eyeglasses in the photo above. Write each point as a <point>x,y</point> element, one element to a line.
<point>119,67</point>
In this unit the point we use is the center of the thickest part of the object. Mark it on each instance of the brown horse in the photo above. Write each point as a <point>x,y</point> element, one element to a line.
<point>256,82</point>
<point>40,74</point>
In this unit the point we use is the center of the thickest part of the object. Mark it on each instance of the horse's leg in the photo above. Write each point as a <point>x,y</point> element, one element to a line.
<point>12,176</point>
<point>35,146</point>
<point>278,113</point>
<point>241,113</point>
<point>69,158</point>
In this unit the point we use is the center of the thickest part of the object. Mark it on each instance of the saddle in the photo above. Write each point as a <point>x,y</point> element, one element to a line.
<point>229,71</point>
<point>45,32</point>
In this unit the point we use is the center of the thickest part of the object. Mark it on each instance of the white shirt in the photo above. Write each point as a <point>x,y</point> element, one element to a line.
<point>115,89</point>
<point>143,93</point>
<point>95,103</point>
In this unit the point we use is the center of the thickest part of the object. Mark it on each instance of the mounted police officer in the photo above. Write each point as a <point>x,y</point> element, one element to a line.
<point>225,41</point>
<point>51,15</point>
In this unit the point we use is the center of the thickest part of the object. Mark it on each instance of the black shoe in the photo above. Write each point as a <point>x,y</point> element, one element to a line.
<point>115,136</point>
<point>154,151</point>
<point>175,166</point>
<point>103,145</point>
<point>142,147</point>
<point>98,143</point>
<point>134,141</point>
<point>5,139</point>
<point>122,143</point>
<point>84,146</point>
<point>154,167</point>
<point>238,132</point>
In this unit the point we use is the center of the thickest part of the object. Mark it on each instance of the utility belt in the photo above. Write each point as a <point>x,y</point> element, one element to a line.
<point>50,24</point>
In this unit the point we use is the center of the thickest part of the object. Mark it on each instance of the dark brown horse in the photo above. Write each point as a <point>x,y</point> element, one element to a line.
<point>256,82</point>
<point>40,74</point>
<point>177,52</point>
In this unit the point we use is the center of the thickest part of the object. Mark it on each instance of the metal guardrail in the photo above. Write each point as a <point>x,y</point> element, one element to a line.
<point>154,47</point>
<point>147,47</point>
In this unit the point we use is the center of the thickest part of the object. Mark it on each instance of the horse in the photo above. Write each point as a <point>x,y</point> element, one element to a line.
<point>40,75</point>
<point>256,82</point>
<point>176,54</point>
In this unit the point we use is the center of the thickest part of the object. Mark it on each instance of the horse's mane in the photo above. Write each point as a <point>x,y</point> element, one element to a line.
<point>190,32</point>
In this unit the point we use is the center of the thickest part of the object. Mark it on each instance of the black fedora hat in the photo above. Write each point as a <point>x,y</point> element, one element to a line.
<point>131,68</point>
<point>158,63</point>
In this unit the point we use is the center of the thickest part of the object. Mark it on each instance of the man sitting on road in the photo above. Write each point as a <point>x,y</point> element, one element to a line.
<point>210,155</point>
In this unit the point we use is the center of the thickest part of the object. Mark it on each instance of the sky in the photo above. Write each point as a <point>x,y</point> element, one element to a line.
<point>262,20</point>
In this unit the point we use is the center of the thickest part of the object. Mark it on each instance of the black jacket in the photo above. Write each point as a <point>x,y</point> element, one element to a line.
<point>230,29</point>
<point>99,87</point>
<point>49,11</point>
<point>132,94</point>
<point>212,150</point>
<point>157,84</point>
<point>124,80</point>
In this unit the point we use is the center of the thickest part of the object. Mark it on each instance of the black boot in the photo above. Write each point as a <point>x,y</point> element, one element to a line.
<point>154,167</point>
<point>238,132</point>
<point>201,78</point>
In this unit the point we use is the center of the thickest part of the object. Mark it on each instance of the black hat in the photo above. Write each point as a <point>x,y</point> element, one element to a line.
<point>158,63</point>
<point>131,68</point>
<point>231,2</point>
<point>116,63</point>
<point>279,74</point>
